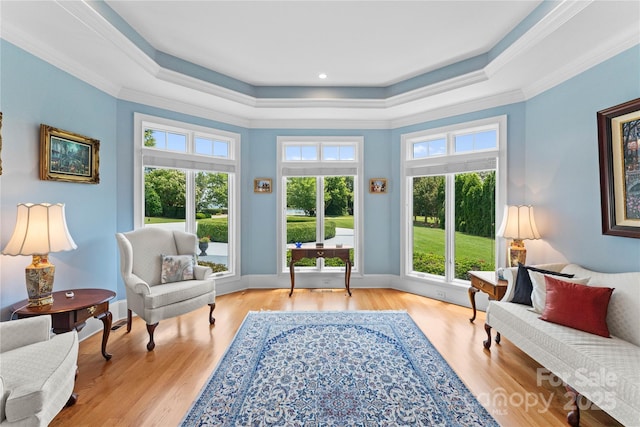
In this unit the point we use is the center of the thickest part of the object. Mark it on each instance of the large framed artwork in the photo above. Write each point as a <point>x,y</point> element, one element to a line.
<point>67,156</point>
<point>619,149</point>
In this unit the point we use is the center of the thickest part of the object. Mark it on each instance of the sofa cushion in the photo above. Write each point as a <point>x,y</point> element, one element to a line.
<point>33,375</point>
<point>171,293</point>
<point>176,268</point>
<point>539,294</point>
<point>577,306</point>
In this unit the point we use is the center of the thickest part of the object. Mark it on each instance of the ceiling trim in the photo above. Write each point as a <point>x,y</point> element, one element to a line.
<point>258,112</point>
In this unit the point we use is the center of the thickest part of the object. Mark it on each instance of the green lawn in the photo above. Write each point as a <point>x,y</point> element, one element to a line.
<point>160,220</point>
<point>432,240</point>
<point>340,221</point>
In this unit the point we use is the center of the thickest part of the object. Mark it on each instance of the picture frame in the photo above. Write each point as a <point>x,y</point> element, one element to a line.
<point>262,185</point>
<point>67,156</point>
<point>619,152</point>
<point>378,185</point>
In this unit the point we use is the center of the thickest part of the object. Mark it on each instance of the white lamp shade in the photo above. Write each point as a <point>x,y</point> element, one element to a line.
<point>518,223</point>
<point>40,229</point>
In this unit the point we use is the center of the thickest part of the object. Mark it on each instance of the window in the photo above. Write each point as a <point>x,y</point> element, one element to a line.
<point>453,179</point>
<point>185,179</point>
<point>320,198</point>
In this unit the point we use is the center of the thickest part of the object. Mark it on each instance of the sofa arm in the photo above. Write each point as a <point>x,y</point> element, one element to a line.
<point>22,332</point>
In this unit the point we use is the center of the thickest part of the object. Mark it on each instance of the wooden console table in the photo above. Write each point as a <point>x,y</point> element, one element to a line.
<point>486,282</point>
<point>72,313</point>
<point>298,253</point>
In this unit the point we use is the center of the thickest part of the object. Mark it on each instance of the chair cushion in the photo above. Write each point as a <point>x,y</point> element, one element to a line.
<point>32,374</point>
<point>171,293</point>
<point>176,268</point>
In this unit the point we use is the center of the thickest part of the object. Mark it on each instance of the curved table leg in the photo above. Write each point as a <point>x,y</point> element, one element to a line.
<point>293,276</point>
<point>347,276</point>
<point>472,297</point>
<point>106,318</point>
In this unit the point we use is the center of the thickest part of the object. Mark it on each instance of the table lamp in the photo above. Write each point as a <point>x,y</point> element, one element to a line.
<point>40,229</point>
<point>518,224</point>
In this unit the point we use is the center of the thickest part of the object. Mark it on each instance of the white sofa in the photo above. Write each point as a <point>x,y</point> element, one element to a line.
<point>604,370</point>
<point>37,371</point>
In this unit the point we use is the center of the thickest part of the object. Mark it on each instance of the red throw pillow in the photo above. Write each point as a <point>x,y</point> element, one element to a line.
<point>577,306</point>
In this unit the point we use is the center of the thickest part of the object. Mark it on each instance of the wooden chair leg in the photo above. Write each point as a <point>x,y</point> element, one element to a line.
<point>487,343</point>
<point>129,315</point>
<point>150,328</point>
<point>212,319</point>
<point>573,417</point>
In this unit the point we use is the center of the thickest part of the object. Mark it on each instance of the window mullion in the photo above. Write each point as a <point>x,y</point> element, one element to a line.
<point>450,227</point>
<point>320,216</point>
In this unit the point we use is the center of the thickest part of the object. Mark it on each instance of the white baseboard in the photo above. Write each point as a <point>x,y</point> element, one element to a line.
<point>454,294</point>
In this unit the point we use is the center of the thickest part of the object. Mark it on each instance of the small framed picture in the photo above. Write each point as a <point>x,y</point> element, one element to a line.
<point>67,156</point>
<point>378,185</point>
<point>262,185</point>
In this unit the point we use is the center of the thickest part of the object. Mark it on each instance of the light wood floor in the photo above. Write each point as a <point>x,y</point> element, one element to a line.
<point>140,388</point>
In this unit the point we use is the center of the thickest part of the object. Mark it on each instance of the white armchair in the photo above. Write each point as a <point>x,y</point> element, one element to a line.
<point>159,282</point>
<point>37,371</point>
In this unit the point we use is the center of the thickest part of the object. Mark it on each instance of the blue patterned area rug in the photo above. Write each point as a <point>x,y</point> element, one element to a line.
<point>358,368</point>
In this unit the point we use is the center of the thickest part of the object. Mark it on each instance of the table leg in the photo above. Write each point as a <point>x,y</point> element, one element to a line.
<point>347,275</point>
<point>293,276</point>
<point>472,298</point>
<point>106,318</point>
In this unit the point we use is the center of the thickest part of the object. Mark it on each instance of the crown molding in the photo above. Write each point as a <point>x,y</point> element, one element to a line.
<point>196,84</point>
<point>546,26</point>
<point>91,18</point>
<point>174,105</point>
<point>471,106</point>
<point>610,48</point>
<point>68,64</point>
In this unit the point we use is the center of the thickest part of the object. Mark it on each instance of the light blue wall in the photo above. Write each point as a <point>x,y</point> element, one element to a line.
<point>562,170</point>
<point>34,92</point>
<point>552,161</point>
<point>260,216</point>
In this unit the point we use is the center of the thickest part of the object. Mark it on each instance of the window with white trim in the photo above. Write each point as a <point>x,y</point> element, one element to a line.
<point>186,179</point>
<point>320,198</point>
<point>453,179</point>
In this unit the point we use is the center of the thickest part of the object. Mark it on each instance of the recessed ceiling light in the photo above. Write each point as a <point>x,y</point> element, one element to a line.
<point>322,76</point>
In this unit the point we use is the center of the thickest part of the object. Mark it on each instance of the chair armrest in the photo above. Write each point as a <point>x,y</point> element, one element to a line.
<point>137,285</point>
<point>200,272</point>
<point>22,332</point>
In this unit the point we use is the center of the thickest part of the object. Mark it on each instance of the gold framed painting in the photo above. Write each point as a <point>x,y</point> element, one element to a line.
<point>262,185</point>
<point>619,152</point>
<point>378,185</point>
<point>68,156</point>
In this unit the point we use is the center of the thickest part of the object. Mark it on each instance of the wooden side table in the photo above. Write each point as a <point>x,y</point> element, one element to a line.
<point>486,282</point>
<point>343,253</point>
<point>72,313</point>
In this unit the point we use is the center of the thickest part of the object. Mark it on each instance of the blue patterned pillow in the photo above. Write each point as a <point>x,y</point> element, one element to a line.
<point>176,268</point>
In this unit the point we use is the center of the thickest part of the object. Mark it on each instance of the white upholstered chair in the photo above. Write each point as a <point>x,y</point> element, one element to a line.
<point>155,292</point>
<point>37,371</point>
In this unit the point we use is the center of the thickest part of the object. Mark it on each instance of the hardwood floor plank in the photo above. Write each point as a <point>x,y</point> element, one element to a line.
<point>140,388</point>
